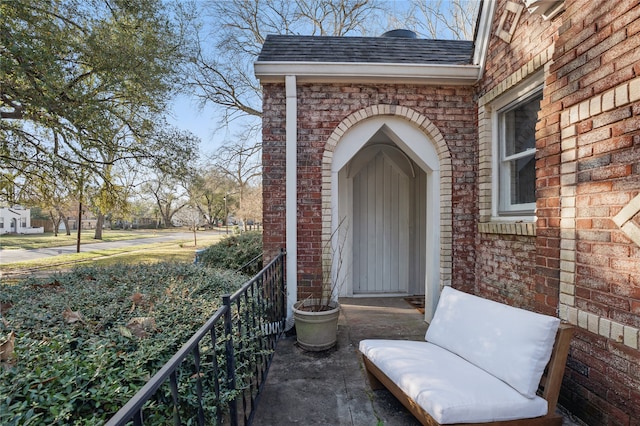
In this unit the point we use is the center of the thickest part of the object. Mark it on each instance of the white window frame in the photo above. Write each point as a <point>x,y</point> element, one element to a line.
<point>501,190</point>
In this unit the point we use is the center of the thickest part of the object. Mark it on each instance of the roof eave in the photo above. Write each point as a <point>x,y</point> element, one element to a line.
<point>327,72</point>
<point>483,33</point>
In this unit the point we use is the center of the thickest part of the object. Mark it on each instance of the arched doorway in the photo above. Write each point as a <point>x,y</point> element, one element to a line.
<point>385,190</point>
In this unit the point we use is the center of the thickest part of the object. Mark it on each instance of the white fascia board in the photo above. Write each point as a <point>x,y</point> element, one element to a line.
<point>321,72</point>
<point>483,33</point>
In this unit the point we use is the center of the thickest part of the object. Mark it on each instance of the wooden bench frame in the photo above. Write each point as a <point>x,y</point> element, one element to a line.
<point>550,385</point>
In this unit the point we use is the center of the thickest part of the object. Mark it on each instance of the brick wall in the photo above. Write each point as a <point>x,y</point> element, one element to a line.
<point>273,169</point>
<point>594,90</point>
<point>584,260</point>
<point>321,107</point>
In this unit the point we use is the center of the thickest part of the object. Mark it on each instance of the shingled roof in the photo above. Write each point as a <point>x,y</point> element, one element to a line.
<point>388,50</point>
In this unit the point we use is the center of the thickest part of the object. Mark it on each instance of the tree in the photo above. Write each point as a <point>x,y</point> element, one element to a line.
<point>207,189</point>
<point>113,185</point>
<point>222,72</point>
<point>142,213</point>
<point>239,161</point>
<point>191,218</point>
<point>251,208</point>
<point>443,19</point>
<point>168,194</point>
<point>76,75</point>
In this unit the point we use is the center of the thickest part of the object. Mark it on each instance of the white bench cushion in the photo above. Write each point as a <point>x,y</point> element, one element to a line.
<point>449,388</point>
<point>511,344</point>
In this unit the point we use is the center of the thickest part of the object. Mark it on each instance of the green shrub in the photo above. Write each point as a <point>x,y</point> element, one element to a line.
<point>76,361</point>
<point>234,252</point>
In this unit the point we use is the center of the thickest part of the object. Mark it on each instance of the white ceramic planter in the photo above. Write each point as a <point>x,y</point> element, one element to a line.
<point>316,331</point>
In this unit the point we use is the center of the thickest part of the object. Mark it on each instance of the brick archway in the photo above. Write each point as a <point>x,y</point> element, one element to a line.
<point>444,169</point>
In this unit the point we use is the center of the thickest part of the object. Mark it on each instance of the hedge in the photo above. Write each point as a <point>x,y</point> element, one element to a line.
<point>234,252</point>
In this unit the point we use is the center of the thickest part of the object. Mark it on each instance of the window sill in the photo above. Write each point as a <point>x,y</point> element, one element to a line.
<point>508,228</point>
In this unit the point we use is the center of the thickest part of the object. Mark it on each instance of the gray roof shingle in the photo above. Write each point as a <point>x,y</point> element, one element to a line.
<point>292,48</point>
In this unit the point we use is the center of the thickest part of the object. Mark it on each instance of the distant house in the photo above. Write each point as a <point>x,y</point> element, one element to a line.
<point>506,166</point>
<point>17,220</point>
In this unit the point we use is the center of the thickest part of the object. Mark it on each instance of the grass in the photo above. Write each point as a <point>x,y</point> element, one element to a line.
<point>46,240</point>
<point>178,251</point>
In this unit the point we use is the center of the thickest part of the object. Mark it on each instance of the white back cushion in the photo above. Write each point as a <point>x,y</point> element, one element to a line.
<point>510,343</point>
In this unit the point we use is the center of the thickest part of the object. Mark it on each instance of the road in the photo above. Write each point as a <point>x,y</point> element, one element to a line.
<point>20,255</point>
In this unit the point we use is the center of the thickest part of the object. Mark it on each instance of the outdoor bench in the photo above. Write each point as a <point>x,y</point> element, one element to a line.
<point>481,362</point>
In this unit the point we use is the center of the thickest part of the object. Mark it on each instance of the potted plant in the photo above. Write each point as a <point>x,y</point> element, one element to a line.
<point>316,317</point>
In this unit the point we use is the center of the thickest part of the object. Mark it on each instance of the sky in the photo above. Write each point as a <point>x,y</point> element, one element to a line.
<point>204,123</point>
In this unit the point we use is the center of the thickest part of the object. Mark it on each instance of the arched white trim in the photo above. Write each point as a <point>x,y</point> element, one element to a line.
<point>420,140</point>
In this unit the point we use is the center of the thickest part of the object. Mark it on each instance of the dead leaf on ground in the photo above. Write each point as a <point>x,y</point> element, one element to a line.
<point>125,332</point>
<point>7,348</point>
<point>141,326</point>
<point>137,298</point>
<point>55,285</point>
<point>141,300</point>
<point>5,306</point>
<point>71,317</point>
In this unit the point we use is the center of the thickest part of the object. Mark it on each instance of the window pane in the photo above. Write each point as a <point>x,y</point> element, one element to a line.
<point>523,180</point>
<point>520,126</point>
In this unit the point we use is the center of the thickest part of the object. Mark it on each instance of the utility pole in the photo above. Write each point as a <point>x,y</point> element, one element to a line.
<point>80,212</point>
<point>226,214</point>
<point>79,225</point>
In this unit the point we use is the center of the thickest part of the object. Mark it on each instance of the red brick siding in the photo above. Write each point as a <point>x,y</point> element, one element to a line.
<point>548,145</point>
<point>505,269</point>
<point>273,170</point>
<point>600,385</point>
<point>531,37</point>
<point>598,49</point>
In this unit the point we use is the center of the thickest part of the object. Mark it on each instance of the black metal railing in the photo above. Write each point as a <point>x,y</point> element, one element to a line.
<point>216,377</point>
<point>252,266</point>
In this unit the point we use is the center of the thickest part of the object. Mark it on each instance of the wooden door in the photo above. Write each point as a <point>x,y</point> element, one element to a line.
<point>381,227</point>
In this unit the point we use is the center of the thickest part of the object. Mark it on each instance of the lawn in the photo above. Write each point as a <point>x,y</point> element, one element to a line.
<point>35,241</point>
<point>182,250</point>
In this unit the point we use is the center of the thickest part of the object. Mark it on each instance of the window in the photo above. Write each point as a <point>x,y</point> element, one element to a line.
<point>1,222</point>
<point>23,222</point>
<point>517,149</point>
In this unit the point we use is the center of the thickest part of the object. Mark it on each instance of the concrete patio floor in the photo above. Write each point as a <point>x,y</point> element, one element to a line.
<point>330,387</point>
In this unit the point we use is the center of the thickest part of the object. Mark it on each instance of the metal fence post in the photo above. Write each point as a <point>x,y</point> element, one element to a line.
<point>229,354</point>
